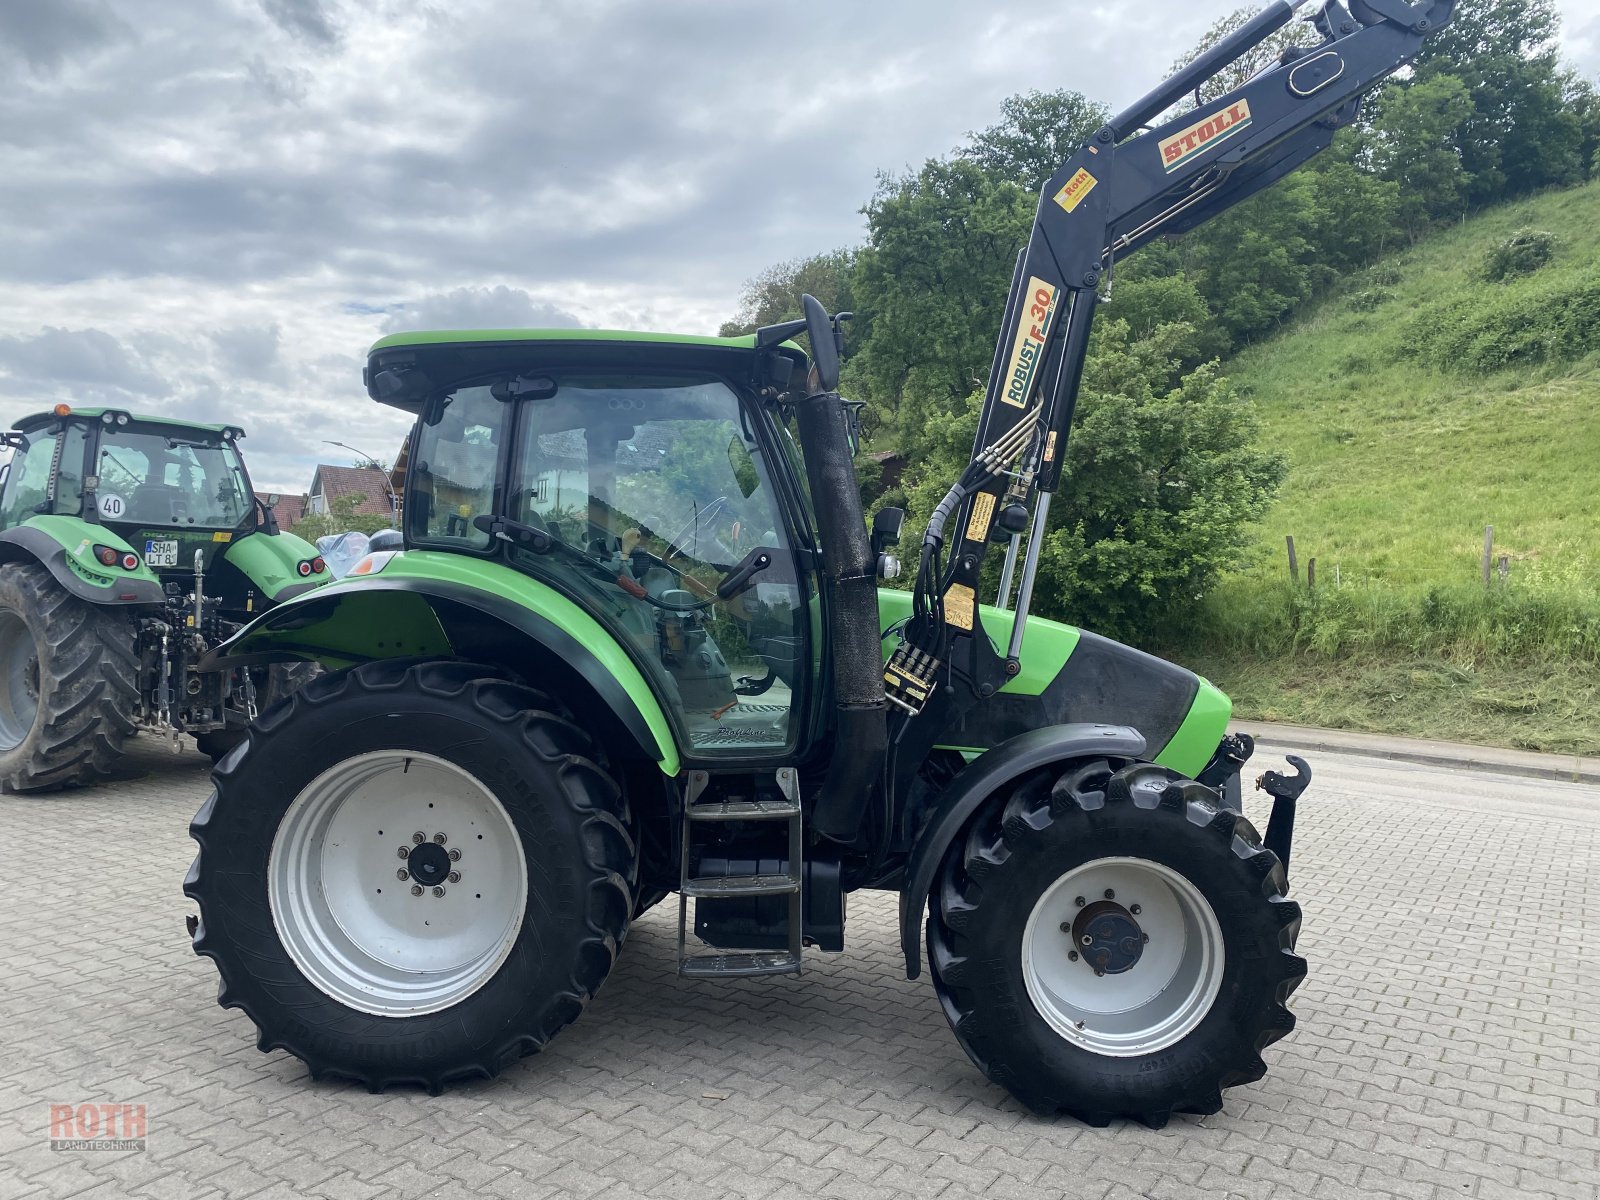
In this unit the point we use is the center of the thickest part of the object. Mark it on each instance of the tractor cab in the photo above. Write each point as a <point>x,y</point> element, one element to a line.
<point>654,492</point>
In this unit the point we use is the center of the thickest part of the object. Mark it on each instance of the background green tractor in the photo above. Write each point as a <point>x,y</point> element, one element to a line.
<point>634,643</point>
<point>129,546</point>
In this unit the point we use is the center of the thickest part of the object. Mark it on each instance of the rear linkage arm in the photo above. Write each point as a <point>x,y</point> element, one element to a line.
<point>1126,186</point>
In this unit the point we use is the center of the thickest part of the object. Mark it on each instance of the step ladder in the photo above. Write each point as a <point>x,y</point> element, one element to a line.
<point>727,964</point>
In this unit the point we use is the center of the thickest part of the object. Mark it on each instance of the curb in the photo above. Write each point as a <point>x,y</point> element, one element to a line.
<point>1574,769</point>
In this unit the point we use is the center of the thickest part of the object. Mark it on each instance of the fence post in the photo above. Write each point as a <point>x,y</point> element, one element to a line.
<point>1294,565</point>
<point>1505,569</point>
<point>1311,572</point>
<point>1488,551</point>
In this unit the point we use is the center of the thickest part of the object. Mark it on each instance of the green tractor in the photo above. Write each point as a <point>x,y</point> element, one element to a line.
<point>634,643</point>
<point>129,547</point>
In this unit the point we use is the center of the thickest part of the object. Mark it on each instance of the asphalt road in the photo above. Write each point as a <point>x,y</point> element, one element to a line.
<point>1448,1040</point>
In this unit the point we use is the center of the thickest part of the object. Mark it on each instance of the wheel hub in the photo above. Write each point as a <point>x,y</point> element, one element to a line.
<point>1108,937</point>
<point>428,864</point>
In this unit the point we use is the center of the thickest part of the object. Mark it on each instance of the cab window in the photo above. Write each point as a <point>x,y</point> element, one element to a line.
<point>652,492</point>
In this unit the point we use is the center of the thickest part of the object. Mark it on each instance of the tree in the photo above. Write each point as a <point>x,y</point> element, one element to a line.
<point>774,295</point>
<point>1415,140</point>
<point>1519,134</point>
<point>1037,132</point>
<point>1162,482</point>
<point>933,277</point>
<point>1252,62</point>
<point>342,519</point>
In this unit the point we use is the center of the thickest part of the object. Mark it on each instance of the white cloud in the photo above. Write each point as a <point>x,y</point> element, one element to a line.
<point>219,206</point>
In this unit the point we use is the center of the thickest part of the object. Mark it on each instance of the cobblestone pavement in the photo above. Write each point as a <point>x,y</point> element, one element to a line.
<point>1449,1038</point>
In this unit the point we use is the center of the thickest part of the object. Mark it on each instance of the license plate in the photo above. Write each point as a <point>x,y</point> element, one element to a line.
<point>162,553</point>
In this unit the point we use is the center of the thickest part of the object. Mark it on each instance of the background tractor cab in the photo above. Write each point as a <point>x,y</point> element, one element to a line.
<point>150,529</point>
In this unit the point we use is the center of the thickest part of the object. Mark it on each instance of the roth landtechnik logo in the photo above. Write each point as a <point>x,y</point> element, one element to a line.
<point>97,1126</point>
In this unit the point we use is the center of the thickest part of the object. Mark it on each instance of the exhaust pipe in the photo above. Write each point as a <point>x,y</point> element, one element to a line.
<point>850,579</point>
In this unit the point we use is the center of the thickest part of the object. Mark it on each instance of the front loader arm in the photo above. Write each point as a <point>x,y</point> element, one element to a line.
<point>1128,185</point>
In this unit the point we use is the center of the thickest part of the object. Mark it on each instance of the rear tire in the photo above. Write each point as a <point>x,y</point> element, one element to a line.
<point>1175,1017</point>
<point>318,940</point>
<point>68,689</point>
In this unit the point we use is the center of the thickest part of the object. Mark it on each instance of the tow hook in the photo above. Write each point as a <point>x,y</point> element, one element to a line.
<point>1284,790</point>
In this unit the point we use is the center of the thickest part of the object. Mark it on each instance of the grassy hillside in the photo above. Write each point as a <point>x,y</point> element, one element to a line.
<point>1415,405</point>
<point>1397,462</point>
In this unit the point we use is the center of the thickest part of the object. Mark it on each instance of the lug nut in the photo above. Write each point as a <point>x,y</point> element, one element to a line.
<point>403,852</point>
<point>1079,902</point>
<point>416,889</point>
<point>438,891</point>
<point>1135,910</point>
<point>454,877</point>
<point>1098,972</point>
<point>1110,895</point>
<point>1144,938</point>
<point>1072,956</point>
<point>1066,928</point>
<point>455,856</point>
<point>401,874</point>
<point>419,837</point>
<point>440,838</point>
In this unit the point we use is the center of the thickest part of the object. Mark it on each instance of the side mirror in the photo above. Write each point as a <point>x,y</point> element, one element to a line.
<point>824,346</point>
<point>272,499</point>
<point>886,528</point>
<point>386,539</point>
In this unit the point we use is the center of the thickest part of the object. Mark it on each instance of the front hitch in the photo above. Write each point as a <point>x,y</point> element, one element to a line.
<point>1284,790</point>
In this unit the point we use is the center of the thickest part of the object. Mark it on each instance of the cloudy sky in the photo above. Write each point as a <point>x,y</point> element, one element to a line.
<point>211,209</point>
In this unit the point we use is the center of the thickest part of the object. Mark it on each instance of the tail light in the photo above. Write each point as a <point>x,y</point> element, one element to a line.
<point>318,566</point>
<point>305,567</point>
<point>130,562</point>
<point>108,557</point>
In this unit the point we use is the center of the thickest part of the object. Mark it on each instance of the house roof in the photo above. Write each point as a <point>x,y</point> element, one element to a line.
<point>290,509</point>
<point>334,483</point>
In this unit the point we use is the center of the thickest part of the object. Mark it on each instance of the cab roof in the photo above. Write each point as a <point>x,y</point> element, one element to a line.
<point>438,337</point>
<point>404,369</point>
<point>34,420</point>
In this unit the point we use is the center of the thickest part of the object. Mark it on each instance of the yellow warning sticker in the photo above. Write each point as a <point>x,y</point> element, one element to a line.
<point>982,514</point>
<point>222,535</point>
<point>1050,447</point>
<point>1075,189</point>
<point>1028,347</point>
<point>960,602</point>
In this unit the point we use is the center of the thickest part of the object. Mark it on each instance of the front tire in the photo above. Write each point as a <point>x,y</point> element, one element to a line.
<point>500,933</point>
<point>1114,943</point>
<point>67,683</point>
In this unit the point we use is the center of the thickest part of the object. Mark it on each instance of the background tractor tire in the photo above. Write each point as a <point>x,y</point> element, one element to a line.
<point>68,683</point>
<point>322,886</point>
<point>277,681</point>
<point>1142,873</point>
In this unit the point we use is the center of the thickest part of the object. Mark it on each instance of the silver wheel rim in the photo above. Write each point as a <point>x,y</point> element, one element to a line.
<point>362,934</point>
<point>19,680</point>
<point>1146,1007</point>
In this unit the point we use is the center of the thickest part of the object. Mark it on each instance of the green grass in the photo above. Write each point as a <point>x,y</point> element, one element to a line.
<point>1397,464</point>
<point>1402,445</point>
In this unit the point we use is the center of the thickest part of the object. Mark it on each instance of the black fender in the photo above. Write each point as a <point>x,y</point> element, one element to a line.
<point>489,642</point>
<point>978,781</point>
<point>25,543</point>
